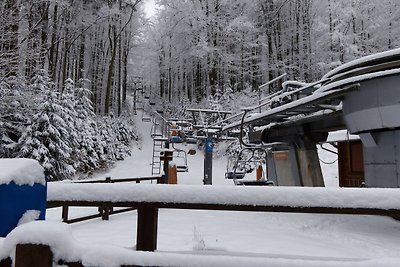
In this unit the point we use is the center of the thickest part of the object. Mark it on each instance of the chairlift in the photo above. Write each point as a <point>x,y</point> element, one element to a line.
<point>256,183</point>
<point>248,160</point>
<point>145,118</point>
<point>180,158</point>
<point>139,105</point>
<point>233,171</point>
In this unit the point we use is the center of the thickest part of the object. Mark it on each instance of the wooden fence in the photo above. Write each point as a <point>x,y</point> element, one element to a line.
<point>104,212</point>
<point>147,218</point>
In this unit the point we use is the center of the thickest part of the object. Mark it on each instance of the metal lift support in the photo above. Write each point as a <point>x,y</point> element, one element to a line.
<point>210,132</point>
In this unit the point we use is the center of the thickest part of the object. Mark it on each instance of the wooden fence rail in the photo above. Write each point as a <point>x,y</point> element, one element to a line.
<point>149,199</point>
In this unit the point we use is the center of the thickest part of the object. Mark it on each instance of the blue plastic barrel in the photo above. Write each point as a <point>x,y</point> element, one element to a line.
<point>15,200</point>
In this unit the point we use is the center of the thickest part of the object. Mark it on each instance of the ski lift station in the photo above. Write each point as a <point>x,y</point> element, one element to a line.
<point>361,97</point>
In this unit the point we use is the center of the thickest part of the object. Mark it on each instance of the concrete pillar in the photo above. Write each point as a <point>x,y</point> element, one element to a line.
<point>309,166</point>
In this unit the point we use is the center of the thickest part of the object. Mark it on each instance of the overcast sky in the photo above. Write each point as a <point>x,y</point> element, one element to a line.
<point>149,7</point>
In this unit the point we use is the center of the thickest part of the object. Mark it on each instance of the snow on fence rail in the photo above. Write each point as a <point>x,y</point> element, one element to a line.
<point>384,199</point>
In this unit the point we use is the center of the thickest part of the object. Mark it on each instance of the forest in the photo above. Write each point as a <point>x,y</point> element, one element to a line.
<point>68,68</point>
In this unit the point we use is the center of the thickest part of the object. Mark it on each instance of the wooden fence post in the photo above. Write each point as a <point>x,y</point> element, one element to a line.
<point>65,213</point>
<point>172,175</point>
<point>28,255</point>
<point>6,262</point>
<point>147,229</point>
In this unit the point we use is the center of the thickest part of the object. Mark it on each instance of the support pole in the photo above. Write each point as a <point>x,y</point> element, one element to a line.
<point>308,162</point>
<point>166,155</point>
<point>65,213</point>
<point>208,155</point>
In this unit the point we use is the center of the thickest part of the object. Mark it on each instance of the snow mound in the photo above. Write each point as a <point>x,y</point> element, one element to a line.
<point>21,171</point>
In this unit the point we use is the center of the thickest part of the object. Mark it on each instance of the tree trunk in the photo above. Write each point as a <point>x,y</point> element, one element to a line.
<point>9,42</point>
<point>110,76</point>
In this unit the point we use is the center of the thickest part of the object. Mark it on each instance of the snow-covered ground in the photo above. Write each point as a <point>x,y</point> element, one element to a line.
<point>273,235</point>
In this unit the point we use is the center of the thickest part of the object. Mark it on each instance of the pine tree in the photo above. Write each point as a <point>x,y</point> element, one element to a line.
<point>47,139</point>
<point>69,114</point>
<point>15,104</point>
<point>88,158</point>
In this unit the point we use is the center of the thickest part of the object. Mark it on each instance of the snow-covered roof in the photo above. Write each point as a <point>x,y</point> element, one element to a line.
<point>21,171</point>
<point>356,79</point>
<point>323,92</point>
<point>254,196</point>
<point>364,60</point>
<point>342,135</point>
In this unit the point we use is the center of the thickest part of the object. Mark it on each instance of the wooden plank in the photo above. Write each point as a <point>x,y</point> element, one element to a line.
<point>99,215</point>
<point>122,180</point>
<point>232,207</point>
<point>147,228</point>
<point>84,218</point>
<point>28,255</point>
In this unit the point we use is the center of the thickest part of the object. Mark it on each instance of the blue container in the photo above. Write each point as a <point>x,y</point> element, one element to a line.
<point>15,200</point>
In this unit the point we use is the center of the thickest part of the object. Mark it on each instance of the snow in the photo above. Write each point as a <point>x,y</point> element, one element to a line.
<point>54,234</point>
<point>21,171</point>
<point>228,195</point>
<point>297,84</point>
<point>221,238</point>
<point>29,216</point>
<point>257,116</point>
<point>64,246</point>
<point>363,60</point>
<point>323,91</point>
<point>341,135</point>
<point>356,79</point>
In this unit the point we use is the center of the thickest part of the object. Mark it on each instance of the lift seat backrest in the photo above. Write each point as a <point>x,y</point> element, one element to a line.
<point>182,168</point>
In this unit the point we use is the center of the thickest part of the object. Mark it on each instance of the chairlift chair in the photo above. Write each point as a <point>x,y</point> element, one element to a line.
<point>247,161</point>
<point>139,105</point>
<point>180,158</point>
<point>232,172</point>
<point>145,118</point>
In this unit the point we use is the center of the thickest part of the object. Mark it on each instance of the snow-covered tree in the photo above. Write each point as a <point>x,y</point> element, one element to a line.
<point>47,139</point>
<point>88,158</point>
